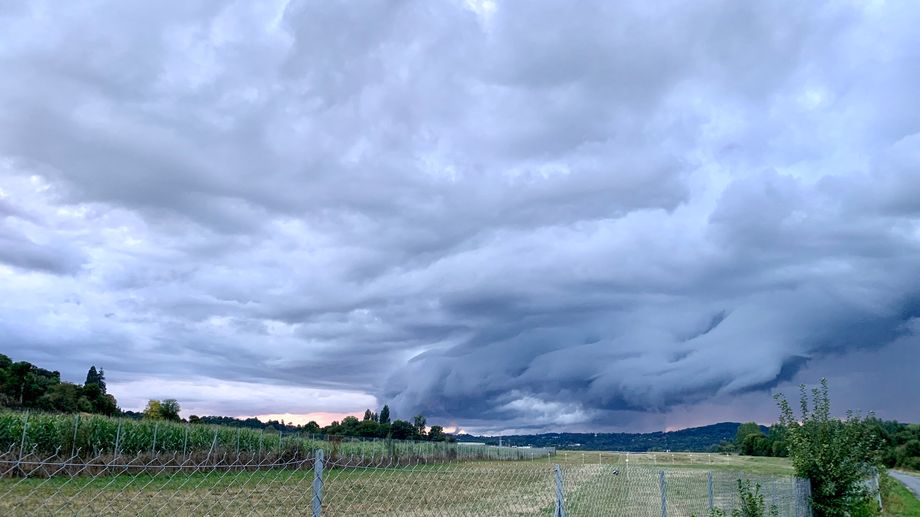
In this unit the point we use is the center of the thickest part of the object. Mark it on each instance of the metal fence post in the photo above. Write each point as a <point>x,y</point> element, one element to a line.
<point>22,442</point>
<point>878,490</point>
<point>118,438</point>
<point>663,487</point>
<point>808,509</point>
<point>318,483</point>
<point>73,444</point>
<point>709,483</point>
<point>560,495</point>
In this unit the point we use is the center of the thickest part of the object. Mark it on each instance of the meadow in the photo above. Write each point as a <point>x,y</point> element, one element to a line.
<point>106,466</point>
<point>594,483</point>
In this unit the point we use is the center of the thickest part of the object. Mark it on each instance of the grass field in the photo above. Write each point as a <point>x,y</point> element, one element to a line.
<point>594,483</point>
<point>683,460</point>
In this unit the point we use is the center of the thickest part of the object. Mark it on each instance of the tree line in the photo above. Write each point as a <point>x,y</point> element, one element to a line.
<point>898,443</point>
<point>26,386</point>
<point>372,425</point>
<point>694,439</point>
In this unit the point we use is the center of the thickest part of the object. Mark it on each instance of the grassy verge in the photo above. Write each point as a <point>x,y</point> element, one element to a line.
<point>897,500</point>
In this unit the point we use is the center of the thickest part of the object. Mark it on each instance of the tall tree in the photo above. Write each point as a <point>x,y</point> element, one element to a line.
<point>745,430</point>
<point>19,373</point>
<point>418,422</point>
<point>153,410</point>
<point>402,430</point>
<point>169,410</point>
<point>368,415</point>
<point>385,414</point>
<point>436,434</point>
<point>92,376</point>
<point>95,377</point>
<point>163,410</point>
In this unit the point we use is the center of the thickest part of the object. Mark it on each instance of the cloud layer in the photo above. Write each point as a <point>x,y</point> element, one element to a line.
<point>508,215</point>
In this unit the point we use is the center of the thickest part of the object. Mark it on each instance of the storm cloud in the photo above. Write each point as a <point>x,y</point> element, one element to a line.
<point>504,215</point>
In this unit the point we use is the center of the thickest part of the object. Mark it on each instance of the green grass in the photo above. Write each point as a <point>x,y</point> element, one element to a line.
<point>683,460</point>
<point>459,488</point>
<point>897,501</point>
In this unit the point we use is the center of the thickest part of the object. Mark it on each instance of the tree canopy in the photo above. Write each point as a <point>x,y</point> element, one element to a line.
<point>163,410</point>
<point>26,386</point>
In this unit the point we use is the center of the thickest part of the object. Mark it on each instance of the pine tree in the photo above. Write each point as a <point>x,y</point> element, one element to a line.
<point>385,415</point>
<point>100,380</point>
<point>92,376</point>
<point>95,377</point>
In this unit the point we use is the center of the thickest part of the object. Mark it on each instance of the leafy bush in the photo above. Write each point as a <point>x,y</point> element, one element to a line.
<point>836,455</point>
<point>752,503</point>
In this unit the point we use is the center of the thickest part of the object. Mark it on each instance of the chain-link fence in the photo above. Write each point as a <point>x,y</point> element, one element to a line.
<point>318,483</point>
<point>96,435</point>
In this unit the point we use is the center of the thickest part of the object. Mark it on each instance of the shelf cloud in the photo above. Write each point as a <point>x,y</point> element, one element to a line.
<point>503,215</point>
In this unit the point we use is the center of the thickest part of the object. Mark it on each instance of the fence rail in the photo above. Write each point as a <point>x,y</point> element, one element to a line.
<point>321,484</point>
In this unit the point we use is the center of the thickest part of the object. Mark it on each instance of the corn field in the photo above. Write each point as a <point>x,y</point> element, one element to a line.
<point>95,435</point>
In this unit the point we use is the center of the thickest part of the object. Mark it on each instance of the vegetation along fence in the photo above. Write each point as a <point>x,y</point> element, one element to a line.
<point>88,468</point>
<point>100,436</point>
<point>316,484</point>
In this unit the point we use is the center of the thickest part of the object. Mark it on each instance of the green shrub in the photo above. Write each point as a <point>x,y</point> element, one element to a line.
<point>836,455</point>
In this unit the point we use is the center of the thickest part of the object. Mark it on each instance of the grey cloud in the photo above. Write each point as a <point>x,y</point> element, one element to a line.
<point>20,251</point>
<point>609,213</point>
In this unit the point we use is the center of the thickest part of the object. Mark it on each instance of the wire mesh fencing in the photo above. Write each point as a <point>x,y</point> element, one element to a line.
<point>318,483</point>
<point>48,433</point>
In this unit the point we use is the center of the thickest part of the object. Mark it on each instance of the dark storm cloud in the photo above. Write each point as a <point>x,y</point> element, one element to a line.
<point>513,215</point>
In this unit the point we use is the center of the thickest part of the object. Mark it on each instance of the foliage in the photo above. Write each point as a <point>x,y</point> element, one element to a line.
<point>836,455</point>
<point>745,430</point>
<point>385,415</point>
<point>436,434</point>
<point>95,377</point>
<point>163,410</point>
<point>90,435</point>
<point>419,423</point>
<point>402,430</point>
<point>752,502</point>
<point>26,386</point>
<point>901,444</point>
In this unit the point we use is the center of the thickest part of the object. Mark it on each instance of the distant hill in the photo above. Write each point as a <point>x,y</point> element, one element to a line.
<point>694,439</point>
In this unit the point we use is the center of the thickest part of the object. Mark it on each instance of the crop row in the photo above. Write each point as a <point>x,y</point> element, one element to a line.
<point>82,434</point>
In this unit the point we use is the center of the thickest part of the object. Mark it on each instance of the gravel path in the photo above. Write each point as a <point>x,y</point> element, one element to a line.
<point>911,481</point>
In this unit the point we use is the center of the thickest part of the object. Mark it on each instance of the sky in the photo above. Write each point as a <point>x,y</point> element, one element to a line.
<point>509,216</point>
